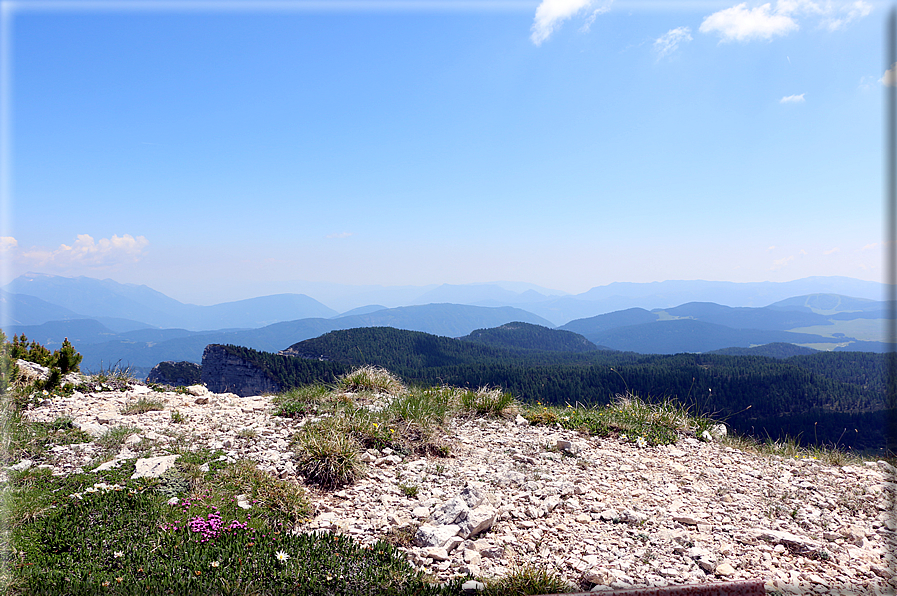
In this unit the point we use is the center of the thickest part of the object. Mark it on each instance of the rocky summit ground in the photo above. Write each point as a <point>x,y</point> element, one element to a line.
<point>603,512</point>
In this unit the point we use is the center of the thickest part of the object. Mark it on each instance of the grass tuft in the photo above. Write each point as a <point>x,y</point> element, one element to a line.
<point>115,436</point>
<point>371,378</point>
<point>527,580</point>
<point>487,402</point>
<point>329,459</point>
<point>142,406</point>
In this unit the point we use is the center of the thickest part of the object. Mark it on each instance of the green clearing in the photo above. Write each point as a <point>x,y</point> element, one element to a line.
<point>861,329</point>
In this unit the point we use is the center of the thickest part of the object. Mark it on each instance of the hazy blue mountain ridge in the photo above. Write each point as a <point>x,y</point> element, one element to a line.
<point>745,317</point>
<point>31,310</point>
<point>688,335</point>
<point>698,326</point>
<point>93,298</point>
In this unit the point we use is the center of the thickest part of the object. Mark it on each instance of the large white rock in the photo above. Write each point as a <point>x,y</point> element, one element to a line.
<point>428,535</point>
<point>478,520</point>
<point>802,543</point>
<point>452,511</point>
<point>31,371</point>
<point>153,467</point>
<point>472,496</point>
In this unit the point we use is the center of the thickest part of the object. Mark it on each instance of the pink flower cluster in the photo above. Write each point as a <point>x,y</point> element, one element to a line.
<point>212,526</point>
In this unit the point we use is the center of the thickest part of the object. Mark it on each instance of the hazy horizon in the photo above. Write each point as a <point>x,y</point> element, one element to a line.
<point>202,149</point>
<point>345,297</point>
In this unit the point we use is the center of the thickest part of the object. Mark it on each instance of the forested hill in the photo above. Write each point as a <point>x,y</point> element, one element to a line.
<point>815,396</point>
<point>526,336</point>
<point>773,350</point>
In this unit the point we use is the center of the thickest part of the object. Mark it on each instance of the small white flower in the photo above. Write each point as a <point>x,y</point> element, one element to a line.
<point>282,556</point>
<point>641,442</point>
<point>215,563</point>
<point>118,554</point>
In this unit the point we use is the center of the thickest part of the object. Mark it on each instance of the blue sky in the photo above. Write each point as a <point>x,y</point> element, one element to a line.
<point>217,151</point>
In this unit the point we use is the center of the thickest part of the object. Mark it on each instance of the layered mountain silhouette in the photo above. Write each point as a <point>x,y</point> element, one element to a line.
<point>139,327</point>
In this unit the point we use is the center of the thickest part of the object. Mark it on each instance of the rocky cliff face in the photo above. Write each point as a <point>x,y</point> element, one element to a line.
<point>224,372</point>
<point>176,374</point>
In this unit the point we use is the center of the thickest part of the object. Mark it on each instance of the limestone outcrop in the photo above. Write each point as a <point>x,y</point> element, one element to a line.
<point>603,512</point>
<point>226,372</point>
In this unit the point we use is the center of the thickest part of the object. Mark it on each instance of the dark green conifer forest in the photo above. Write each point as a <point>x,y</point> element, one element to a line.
<point>831,398</point>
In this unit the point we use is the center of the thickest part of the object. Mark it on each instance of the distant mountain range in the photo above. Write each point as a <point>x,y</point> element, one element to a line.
<point>135,325</point>
<point>142,348</point>
<point>84,297</point>
<point>139,306</point>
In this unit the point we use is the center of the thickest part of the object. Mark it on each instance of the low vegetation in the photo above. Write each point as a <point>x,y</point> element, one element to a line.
<point>188,531</point>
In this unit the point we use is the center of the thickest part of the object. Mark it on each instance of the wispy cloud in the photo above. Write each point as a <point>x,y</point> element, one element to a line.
<point>793,99</point>
<point>87,252</point>
<point>779,263</point>
<point>551,13</point>
<point>849,13</point>
<point>8,243</point>
<point>669,42</point>
<point>832,251</point>
<point>740,23</point>
<point>867,82</point>
<point>339,235</point>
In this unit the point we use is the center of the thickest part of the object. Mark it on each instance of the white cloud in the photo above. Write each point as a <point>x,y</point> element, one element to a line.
<point>793,99</point>
<point>86,251</point>
<point>832,251</point>
<point>890,76</point>
<point>669,42</point>
<point>551,13</point>
<point>740,23</point>
<point>339,235</point>
<point>8,243</point>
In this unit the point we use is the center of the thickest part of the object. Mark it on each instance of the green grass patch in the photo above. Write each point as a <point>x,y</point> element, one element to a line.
<point>143,405</point>
<point>23,439</point>
<point>121,541</point>
<point>630,417</point>
<point>300,401</point>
